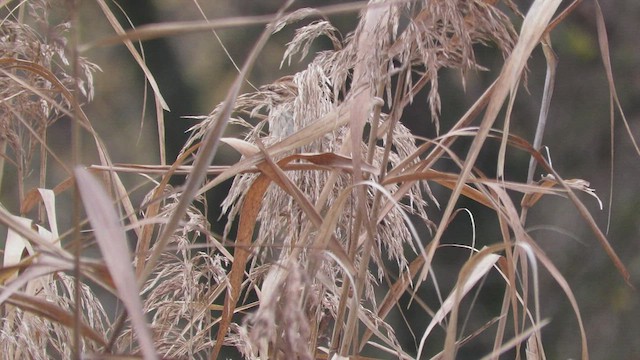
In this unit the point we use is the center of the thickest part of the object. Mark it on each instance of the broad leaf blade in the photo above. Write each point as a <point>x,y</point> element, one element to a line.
<point>111,239</point>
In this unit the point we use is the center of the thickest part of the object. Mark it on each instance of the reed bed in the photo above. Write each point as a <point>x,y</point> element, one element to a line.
<point>338,215</point>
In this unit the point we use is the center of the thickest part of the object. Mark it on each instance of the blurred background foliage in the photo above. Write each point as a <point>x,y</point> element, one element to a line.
<point>194,74</point>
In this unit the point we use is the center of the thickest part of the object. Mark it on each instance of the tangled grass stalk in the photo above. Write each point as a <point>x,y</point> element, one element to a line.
<point>334,214</point>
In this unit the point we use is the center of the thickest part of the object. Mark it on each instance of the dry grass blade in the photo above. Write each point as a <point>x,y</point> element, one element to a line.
<point>474,270</point>
<point>447,180</point>
<point>144,240</point>
<point>603,41</point>
<point>533,352</point>
<point>371,49</point>
<point>33,271</point>
<point>205,156</point>
<point>560,280</point>
<point>49,201</point>
<point>524,335</point>
<point>275,173</point>
<point>35,265</point>
<point>330,216</point>
<point>533,192</point>
<point>565,12</point>
<point>602,239</point>
<point>549,83</point>
<point>533,27</point>
<point>149,169</point>
<point>119,30</point>
<point>326,160</point>
<point>155,31</point>
<point>304,136</point>
<point>332,161</point>
<point>325,235</point>
<point>45,73</point>
<point>14,246</point>
<point>248,217</point>
<point>393,295</point>
<point>27,233</point>
<point>469,337</point>
<point>161,132</point>
<point>113,246</point>
<point>249,211</point>
<point>206,153</point>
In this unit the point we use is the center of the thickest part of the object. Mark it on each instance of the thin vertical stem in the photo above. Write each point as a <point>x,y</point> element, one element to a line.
<point>76,159</point>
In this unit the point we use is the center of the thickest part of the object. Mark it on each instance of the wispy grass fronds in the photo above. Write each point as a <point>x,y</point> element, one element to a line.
<point>371,69</point>
<point>339,217</point>
<point>35,72</point>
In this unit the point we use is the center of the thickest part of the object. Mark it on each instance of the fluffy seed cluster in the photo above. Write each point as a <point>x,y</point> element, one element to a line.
<point>405,40</point>
<point>35,90</point>
<point>35,81</point>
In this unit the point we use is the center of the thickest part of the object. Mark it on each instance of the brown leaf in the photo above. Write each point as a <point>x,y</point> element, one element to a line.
<point>335,161</point>
<point>248,217</point>
<point>447,180</point>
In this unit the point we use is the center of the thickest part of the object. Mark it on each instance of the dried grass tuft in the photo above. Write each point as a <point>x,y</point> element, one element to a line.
<point>332,218</point>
